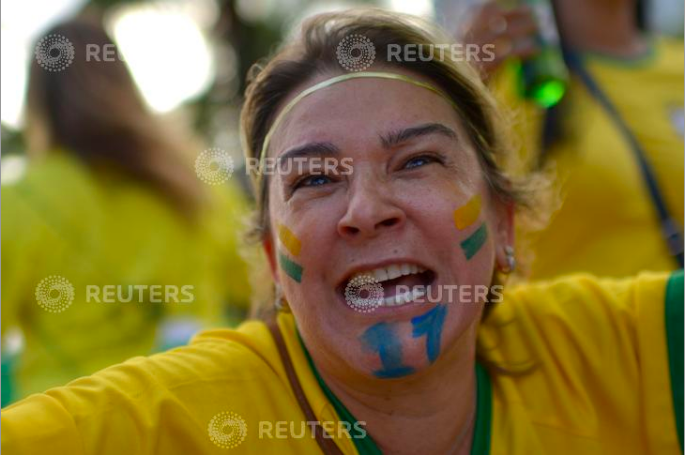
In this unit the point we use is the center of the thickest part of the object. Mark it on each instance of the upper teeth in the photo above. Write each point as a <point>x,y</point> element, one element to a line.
<point>392,271</point>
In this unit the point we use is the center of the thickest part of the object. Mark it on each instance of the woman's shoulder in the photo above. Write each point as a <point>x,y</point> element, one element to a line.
<point>581,319</point>
<point>589,294</point>
<point>220,370</point>
<point>218,357</point>
<point>617,342</point>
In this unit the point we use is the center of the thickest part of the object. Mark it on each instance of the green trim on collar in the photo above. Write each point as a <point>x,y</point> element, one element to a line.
<point>480,445</point>
<point>367,446</point>
<point>674,338</point>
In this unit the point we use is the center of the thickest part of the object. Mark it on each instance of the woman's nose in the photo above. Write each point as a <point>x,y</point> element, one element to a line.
<point>371,211</point>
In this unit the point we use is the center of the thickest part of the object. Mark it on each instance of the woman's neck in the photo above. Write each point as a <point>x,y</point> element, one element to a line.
<point>606,26</point>
<point>429,412</point>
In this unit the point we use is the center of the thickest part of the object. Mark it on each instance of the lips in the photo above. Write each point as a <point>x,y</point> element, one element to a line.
<point>402,282</point>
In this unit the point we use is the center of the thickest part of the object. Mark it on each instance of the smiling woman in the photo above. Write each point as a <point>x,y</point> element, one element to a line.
<point>360,358</point>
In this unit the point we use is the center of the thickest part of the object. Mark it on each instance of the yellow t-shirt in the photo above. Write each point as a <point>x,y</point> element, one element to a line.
<point>589,372</point>
<point>99,229</point>
<point>607,224</point>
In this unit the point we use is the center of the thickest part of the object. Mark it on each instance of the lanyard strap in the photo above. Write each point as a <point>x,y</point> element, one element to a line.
<point>669,228</point>
<point>325,443</point>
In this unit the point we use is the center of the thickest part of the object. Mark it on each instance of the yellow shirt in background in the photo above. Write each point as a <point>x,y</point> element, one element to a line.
<point>63,219</point>
<point>594,368</point>
<point>607,224</point>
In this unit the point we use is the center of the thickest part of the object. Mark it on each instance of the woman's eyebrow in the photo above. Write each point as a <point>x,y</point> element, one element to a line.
<point>395,138</point>
<point>320,149</point>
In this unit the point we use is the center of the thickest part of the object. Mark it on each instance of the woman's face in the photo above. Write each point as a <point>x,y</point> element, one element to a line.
<point>408,205</point>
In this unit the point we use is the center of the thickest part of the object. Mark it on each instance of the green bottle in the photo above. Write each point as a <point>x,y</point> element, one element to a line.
<point>544,78</point>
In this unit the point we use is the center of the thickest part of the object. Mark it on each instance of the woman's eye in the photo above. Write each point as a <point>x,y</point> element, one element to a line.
<point>312,180</point>
<point>419,161</point>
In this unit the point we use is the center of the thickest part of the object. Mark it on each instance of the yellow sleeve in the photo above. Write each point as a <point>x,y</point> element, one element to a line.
<point>590,358</point>
<point>90,415</point>
<point>226,390</point>
<point>155,405</point>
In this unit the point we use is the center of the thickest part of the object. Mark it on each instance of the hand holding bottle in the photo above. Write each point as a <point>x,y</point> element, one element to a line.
<point>513,32</point>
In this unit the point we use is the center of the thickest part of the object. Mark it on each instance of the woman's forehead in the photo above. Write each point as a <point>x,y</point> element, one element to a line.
<point>360,110</point>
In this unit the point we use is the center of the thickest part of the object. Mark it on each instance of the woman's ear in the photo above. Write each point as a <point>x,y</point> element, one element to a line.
<point>270,251</point>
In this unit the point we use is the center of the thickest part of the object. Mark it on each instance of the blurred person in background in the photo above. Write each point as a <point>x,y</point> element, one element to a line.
<point>110,198</point>
<point>614,143</point>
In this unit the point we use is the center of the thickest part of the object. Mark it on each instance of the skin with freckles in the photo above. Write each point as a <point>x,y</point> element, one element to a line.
<point>413,166</point>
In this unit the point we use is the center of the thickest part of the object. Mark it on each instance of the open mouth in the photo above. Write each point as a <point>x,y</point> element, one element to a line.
<point>401,283</point>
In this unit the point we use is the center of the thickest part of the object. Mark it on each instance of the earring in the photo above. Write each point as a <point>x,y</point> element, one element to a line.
<point>511,260</point>
<point>280,302</point>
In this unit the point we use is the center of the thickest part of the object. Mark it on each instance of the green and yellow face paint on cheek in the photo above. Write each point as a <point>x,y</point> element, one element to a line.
<point>467,216</point>
<point>289,241</point>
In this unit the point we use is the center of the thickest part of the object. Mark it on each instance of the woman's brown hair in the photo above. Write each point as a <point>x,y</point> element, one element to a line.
<point>93,110</point>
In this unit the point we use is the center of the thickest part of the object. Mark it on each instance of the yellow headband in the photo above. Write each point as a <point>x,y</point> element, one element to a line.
<point>335,80</point>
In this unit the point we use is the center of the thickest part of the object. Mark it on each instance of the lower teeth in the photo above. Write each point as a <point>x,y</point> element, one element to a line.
<point>403,298</point>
